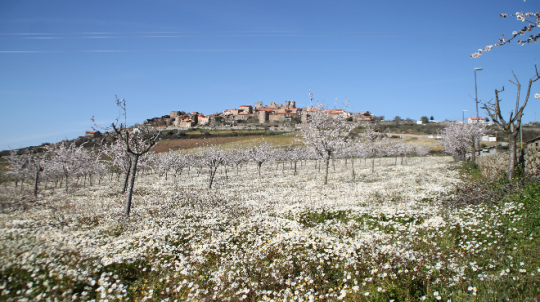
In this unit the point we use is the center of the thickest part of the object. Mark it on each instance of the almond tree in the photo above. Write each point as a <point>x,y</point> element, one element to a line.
<point>68,158</point>
<point>120,159</point>
<point>89,164</point>
<point>162,163</point>
<point>295,155</point>
<point>259,154</point>
<point>178,162</point>
<point>325,133</point>
<point>458,138</point>
<point>37,164</point>
<point>237,157</point>
<point>212,157</point>
<point>423,151</point>
<point>513,125</point>
<point>393,148</point>
<point>352,151</point>
<point>370,145</point>
<point>18,167</point>
<point>136,144</point>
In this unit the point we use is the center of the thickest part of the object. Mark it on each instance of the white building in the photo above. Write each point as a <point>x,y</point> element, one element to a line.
<point>476,120</point>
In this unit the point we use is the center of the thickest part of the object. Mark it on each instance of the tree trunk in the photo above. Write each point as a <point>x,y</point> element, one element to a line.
<point>127,178</point>
<point>373,165</point>
<point>132,174</point>
<point>511,156</point>
<point>326,164</point>
<point>212,174</point>
<point>36,181</point>
<point>353,172</point>
<point>294,168</point>
<point>473,156</point>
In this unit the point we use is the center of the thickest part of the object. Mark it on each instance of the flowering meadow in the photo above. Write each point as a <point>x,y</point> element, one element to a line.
<point>271,234</point>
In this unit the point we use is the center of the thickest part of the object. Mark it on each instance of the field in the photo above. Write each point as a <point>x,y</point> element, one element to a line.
<point>384,236</point>
<point>189,143</point>
<point>226,143</point>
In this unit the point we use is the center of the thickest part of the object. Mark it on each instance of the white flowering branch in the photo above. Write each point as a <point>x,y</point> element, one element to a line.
<point>534,23</point>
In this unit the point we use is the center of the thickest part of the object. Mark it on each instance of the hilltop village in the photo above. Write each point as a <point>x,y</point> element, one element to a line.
<point>286,113</point>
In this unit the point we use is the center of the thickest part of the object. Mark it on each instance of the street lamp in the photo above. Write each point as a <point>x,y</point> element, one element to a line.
<point>463,118</point>
<point>476,91</point>
<point>476,101</point>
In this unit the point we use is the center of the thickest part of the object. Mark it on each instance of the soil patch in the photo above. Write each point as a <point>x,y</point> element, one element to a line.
<point>188,143</point>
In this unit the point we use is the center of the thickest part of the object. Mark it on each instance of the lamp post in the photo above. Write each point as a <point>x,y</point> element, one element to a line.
<point>476,90</point>
<point>463,118</point>
<point>476,101</point>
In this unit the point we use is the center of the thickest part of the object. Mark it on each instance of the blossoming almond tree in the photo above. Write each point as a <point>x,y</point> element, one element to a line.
<point>371,145</point>
<point>260,154</point>
<point>212,157</point>
<point>459,137</point>
<point>38,164</point>
<point>325,133</point>
<point>136,144</point>
<point>18,167</point>
<point>68,158</point>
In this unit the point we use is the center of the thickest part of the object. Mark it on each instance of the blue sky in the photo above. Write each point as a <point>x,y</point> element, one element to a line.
<point>62,62</point>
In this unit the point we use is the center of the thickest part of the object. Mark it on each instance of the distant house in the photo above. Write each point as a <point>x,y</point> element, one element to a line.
<point>364,116</point>
<point>535,141</point>
<point>476,120</point>
<point>93,134</point>
<point>203,120</point>
<point>227,112</point>
<point>246,108</point>
<point>184,121</point>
